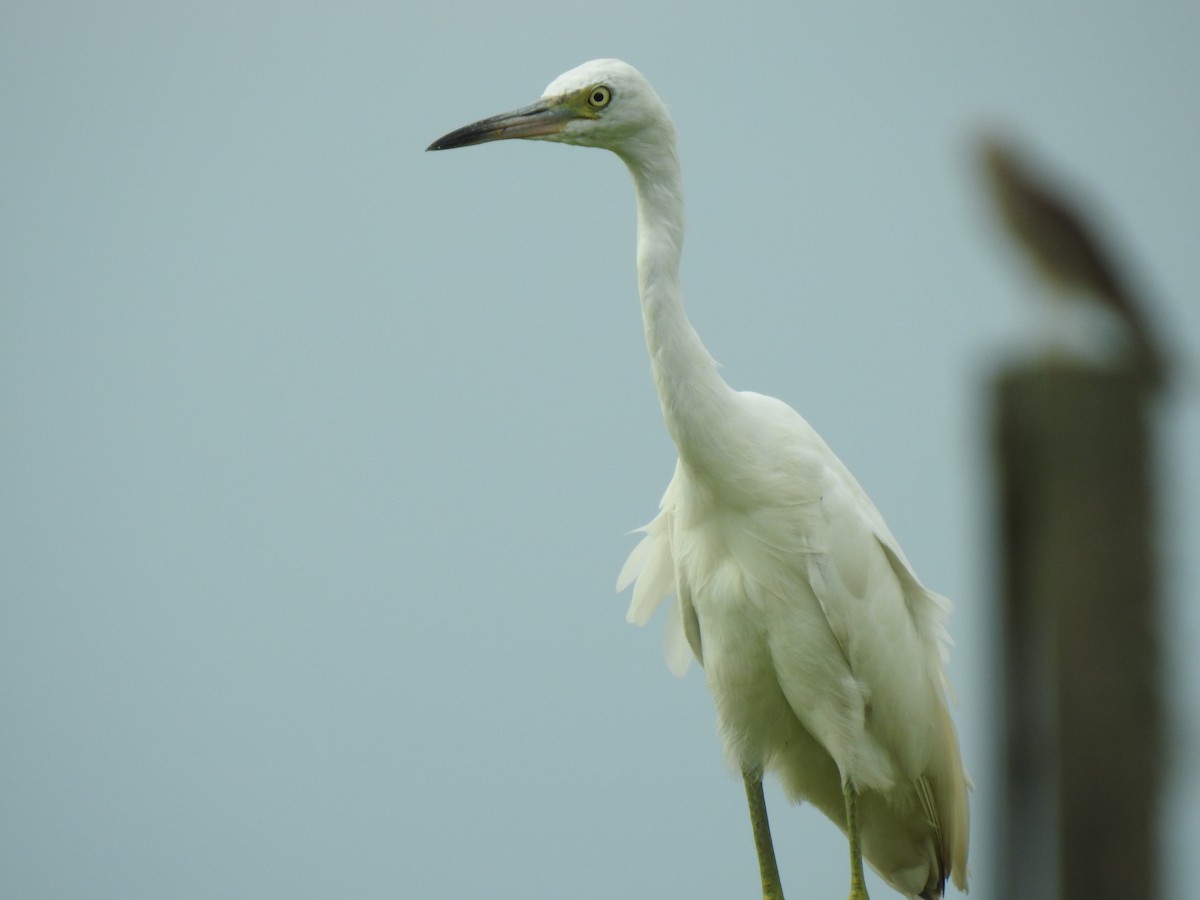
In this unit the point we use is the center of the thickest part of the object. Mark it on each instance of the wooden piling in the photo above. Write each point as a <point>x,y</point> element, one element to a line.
<point>1081,693</point>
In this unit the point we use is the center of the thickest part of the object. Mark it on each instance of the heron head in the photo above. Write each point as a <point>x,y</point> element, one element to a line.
<point>603,103</point>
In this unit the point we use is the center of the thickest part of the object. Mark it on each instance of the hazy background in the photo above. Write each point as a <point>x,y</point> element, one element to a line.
<point>318,453</point>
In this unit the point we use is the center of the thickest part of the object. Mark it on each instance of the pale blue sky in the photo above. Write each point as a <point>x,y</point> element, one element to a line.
<point>320,452</point>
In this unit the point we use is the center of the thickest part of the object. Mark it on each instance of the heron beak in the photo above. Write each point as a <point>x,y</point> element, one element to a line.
<point>546,117</point>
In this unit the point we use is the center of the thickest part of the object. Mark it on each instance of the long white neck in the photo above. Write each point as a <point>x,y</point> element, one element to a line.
<point>696,401</point>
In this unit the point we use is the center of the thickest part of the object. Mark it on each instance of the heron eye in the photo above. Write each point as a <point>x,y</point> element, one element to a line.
<point>599,97</point>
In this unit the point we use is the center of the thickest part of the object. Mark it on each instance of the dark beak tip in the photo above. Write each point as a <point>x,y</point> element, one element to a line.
<point>536,120</point>
<point>461,138</point>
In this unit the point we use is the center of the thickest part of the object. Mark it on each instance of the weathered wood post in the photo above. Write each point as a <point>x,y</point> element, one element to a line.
<point>1083,730</point>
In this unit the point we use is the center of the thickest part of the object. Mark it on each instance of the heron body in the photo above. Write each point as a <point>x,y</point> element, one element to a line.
<point>823,652</point>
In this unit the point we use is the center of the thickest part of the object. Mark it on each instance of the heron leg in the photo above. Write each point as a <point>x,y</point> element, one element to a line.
<point>858,885</point>
<point>772,887</point>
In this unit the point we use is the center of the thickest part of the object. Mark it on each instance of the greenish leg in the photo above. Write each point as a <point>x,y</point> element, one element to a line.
<point>772,887</point>
<point>858,885</point>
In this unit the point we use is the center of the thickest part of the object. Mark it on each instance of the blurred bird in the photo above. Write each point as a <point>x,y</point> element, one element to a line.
<point>823,651</point>
<point>1064,249</point>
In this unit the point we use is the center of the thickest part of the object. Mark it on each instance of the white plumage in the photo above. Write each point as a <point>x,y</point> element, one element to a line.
<point>822,650</point>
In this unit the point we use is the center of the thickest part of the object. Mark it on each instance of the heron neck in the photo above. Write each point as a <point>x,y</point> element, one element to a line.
<point>694,397</point>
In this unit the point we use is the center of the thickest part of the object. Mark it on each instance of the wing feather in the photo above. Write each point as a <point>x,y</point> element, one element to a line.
<point>652,570</point>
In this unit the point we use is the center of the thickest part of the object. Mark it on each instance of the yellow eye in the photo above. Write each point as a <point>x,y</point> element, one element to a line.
<point>599,97</point>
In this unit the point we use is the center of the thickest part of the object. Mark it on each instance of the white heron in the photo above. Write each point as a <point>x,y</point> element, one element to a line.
<point>822,650</point>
